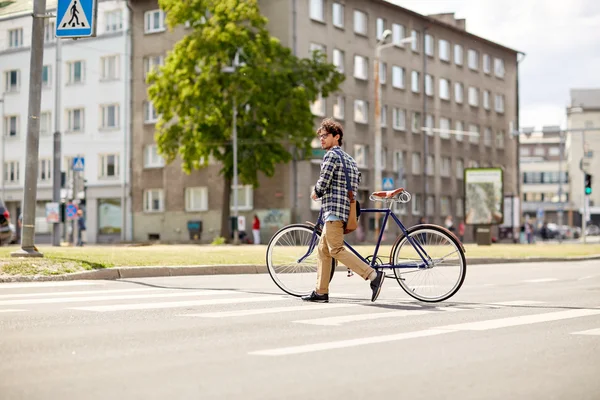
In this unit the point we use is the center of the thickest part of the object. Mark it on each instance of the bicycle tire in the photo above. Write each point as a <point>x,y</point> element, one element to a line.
<point>450,237</point>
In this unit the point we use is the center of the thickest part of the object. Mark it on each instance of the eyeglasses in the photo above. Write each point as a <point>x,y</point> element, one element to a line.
<point>324,136</point>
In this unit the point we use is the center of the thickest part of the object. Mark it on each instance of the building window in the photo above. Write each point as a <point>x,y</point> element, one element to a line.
<point>383,116</point>
<point>316,10</point>
<point>416,122</point>
<point>153,200</point>
<point>151,62</point>
<point>415,82</point>
<point>397,34</point>
<point>318,106</point>
<point>444,50</point>
<point>474,136</point>
<point>361,69</point>
<point>245,197</point>
<point>338,15</point>
<point>361,111</point>
<point>338,60</point>
<point>154,21</point>
<point>459,207</point>
<point>429,45</point>
<point>15,38</point>
<point>13,80</point>
<point>49,31</point>
<point>487,64</point>
<point>46,76</point>
<point>114,21</point>
<point>360,22</point>
<point>416,204</point>
<point>11,172</point>
<point>416,163</point>
<point>196,198</point>
<point>339,107</point>
<point>397,77</point>
<point>486,99</point>
<point>524,152</point>
<point>151,157</point>
<point>430,205</point>
<point>487,137</point>
<point>458,54</point>
<point>380,28</point>
<point>499,103</point>
<point>500,140</point>
<point>415,43</point>
<point>360,155</point>
<point>75,120</point>
<point>429,124</point>
<point>109,67</point>
<point>444,89</point>
<point>45,170</point>
<point>429,85</point>
<point>458,92</point>
<point>539,151</point>
<point>11,125</point>
<point>444,128</point>
<point>473,96</point>
<point>110,116</point>
<point>382,73</point>
<point>399,119</point>
<point>430,165</point>
<point>45,126</point>
<point>446,167</point>
<point>398,165</point>
<point>473,59</point>
<point>460,169</point>
<point>109,166</point>
<point>444,205</point>
<point>76,73</point>
<point>554,151</point>
<point>499,67</point>
<point>150,114</point>
<point>459,129</point>
<point>316,47</point>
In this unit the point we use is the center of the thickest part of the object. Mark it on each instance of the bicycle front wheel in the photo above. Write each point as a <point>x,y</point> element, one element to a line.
<point>292,259</point>
<point>447,267</point>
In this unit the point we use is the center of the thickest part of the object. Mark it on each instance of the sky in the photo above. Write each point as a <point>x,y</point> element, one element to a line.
<point>560,39</point>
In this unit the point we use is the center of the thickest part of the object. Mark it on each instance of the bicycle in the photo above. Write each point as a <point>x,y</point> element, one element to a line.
<point>296,274</point>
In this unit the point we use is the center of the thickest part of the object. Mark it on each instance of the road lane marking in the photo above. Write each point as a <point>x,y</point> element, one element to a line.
<point>594,332</point>
<point>541,280</point>
<point>85,299</point>
<point>88,292</point>
<point>274,310</point>
<point>11,285</point>
<point>11,310</point>
<point>176,304</point>
<point>469,326</point>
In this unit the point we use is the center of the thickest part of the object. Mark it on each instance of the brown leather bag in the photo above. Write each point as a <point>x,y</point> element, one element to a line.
<point>352,223</point>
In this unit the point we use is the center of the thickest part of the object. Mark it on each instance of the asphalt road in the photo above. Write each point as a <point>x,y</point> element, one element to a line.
<point>519,331</point>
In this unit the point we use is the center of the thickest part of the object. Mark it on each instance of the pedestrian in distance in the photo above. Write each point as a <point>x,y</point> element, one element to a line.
<point>332,190</point>
<point>256,229</point>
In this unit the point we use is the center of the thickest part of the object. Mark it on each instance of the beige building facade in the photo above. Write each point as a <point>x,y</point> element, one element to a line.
<point>468,94</point>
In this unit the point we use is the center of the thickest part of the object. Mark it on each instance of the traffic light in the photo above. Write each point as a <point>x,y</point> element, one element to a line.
<point>588,183</point>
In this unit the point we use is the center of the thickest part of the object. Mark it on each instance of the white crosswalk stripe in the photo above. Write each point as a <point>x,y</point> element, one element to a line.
<point>18,285</point>
<point>591,332</point>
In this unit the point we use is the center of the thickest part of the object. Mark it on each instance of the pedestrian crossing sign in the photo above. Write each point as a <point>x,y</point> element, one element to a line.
<point>78,163</point>
<point>76,18</point>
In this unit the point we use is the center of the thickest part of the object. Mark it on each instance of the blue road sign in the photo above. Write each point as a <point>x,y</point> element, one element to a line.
<point>388,183</point>
<point>71,211</point>
<point>78,163</point>
<point>76,18</point>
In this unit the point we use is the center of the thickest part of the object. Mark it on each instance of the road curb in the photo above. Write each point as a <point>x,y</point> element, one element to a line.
<point>240,269</point>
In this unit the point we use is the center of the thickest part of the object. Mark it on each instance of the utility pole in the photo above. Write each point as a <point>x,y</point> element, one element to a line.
<point>3,142</point>
<point>378,161</point>
<point>424,123</point>
<point>28,248</point>
<point>560,184</point>
<point>56,171</point>
<point>236,237</point>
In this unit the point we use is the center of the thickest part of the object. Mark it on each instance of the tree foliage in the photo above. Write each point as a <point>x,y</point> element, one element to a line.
<point>272,91</point>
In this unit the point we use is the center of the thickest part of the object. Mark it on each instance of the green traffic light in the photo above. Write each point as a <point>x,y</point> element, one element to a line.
<point>588,190</point>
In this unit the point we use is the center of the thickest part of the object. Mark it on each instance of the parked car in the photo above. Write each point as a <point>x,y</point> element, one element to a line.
<point>592,230</point>
<point>6,233</point>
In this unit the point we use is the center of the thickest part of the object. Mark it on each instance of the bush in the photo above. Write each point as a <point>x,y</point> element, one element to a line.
<point>218,241</point>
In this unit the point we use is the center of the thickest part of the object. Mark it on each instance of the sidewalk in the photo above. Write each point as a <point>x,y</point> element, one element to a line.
<point>156,271</point>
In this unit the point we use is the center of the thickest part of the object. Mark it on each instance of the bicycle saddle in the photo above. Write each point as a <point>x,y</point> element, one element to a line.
<point>387,194</point>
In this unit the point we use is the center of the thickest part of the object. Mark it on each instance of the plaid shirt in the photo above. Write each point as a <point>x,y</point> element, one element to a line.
<point>331,186</point>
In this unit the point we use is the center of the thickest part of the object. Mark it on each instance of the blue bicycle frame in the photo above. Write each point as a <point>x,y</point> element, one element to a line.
<point>417,246</point>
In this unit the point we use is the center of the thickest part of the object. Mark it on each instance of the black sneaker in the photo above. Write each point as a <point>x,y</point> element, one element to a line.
<point>319,298</point>
<point>376,285</point>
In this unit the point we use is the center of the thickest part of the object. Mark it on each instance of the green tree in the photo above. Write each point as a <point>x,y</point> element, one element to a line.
<point>272,91</point>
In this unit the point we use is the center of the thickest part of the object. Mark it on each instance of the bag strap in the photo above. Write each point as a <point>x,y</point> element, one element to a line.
<point>348,185</point>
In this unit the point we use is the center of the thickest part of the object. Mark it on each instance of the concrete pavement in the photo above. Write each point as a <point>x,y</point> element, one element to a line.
<point>522,331</point>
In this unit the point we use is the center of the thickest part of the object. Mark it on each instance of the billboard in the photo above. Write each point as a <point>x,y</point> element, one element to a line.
<point>484,196</point>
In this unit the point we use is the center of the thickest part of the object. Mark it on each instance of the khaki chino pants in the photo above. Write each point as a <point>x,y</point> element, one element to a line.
<point>331,246</point>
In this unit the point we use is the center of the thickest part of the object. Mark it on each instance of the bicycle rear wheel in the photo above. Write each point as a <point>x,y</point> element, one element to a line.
<point>292,259</point>
<point>447,270</point>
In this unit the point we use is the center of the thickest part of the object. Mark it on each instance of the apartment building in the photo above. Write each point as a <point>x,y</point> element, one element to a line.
<point>93,117</point>
<point>544,174</point>
<point>461,85</point>
<point>584,112</point>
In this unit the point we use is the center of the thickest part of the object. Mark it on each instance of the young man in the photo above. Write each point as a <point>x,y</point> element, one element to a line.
<point>332,190</point>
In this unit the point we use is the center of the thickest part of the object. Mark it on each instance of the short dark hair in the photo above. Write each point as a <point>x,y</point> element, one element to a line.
<point>331,126</point>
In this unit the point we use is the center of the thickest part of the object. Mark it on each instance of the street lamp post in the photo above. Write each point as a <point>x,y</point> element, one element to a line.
<point>230,70</point>
<point>378,151</point>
